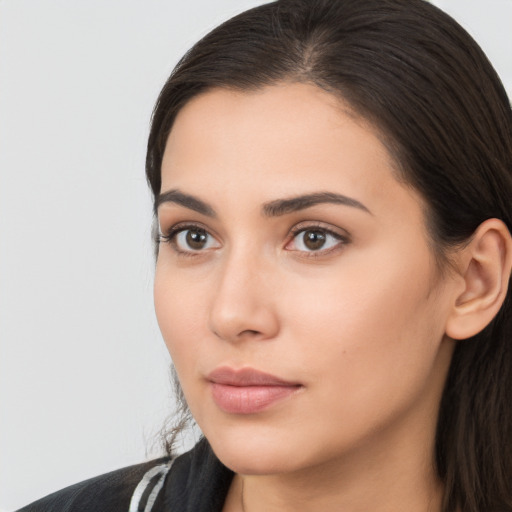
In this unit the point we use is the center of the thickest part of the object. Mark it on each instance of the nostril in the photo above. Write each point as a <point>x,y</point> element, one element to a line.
<point>245,333</point>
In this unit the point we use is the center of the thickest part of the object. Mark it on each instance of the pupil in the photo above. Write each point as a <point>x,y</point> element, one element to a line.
<point>196,239</point>
<point>314,239</point>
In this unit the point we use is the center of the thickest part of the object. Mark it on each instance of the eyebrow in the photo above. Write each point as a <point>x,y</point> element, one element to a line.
<point>284,206</point>
<point>186,200</point>
<point>273,208</point>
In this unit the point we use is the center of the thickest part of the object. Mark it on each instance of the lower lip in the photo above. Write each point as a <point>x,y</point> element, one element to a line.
<point>249,399</point>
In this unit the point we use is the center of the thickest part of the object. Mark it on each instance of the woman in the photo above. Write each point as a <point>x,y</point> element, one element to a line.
<point>332,184</point>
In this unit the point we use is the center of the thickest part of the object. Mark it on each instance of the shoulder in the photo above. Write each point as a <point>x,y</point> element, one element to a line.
<point>111,492</point>
<point>194,482</point>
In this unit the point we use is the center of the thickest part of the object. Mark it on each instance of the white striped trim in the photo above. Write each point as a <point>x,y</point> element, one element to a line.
<point>154,493</point>
<point>143,485</point>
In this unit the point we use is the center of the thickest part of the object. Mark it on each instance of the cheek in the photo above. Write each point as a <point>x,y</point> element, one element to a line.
<point>181,323</point>
<point>371,333</point>
<point>178,312</point>
<point>363,293</point>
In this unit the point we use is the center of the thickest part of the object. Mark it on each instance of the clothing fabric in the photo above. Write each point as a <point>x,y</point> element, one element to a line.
<point>193,482</point>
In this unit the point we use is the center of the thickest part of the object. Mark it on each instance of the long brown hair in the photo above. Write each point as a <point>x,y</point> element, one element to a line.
<point>419,77</point>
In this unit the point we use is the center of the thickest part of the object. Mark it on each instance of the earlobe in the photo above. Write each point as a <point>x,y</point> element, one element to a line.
<point>485,267</point>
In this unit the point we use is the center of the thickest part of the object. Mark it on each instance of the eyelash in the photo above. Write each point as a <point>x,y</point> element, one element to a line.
<point>170,238</point>
<point>174,231</point>
<point>321,228</point>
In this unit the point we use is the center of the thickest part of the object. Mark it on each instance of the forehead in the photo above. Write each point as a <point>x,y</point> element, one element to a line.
<point>281,140</point>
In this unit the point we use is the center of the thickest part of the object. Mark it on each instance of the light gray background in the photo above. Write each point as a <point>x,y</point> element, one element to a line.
<point>83,371</point>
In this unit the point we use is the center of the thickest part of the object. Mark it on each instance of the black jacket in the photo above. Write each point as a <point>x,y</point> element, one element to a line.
<point>194,482</point>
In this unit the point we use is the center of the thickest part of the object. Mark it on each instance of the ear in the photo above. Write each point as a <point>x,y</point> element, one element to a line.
<point>484,268</point>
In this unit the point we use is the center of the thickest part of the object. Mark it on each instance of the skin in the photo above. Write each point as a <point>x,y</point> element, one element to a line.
<point>359,323</point>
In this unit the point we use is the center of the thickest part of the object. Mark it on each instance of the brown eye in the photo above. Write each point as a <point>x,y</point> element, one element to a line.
<point>196,239</point>
<point>314,239</point>
<point>191,239</point>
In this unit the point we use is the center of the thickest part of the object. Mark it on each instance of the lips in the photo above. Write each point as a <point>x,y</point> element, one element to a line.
<point>248,391</point>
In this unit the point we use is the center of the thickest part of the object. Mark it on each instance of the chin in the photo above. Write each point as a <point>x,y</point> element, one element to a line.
<point>246,461</point>
<point>257,453</point>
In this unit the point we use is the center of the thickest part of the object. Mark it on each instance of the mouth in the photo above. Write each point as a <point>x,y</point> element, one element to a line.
<point>248,391</point>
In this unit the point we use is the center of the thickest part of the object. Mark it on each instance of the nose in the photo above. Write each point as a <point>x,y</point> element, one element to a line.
<point>243,305</point>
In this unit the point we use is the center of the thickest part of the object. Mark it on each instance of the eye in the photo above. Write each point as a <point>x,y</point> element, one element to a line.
<point>190,239</point>
<point>315,239</point>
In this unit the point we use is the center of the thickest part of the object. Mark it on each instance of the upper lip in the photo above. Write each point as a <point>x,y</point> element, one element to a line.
<point>246,377</point>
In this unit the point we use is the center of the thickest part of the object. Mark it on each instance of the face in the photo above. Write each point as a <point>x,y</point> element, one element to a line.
<point>295,287</point>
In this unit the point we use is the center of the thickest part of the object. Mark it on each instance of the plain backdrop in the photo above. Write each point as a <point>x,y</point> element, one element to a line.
<point>83,371</point>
